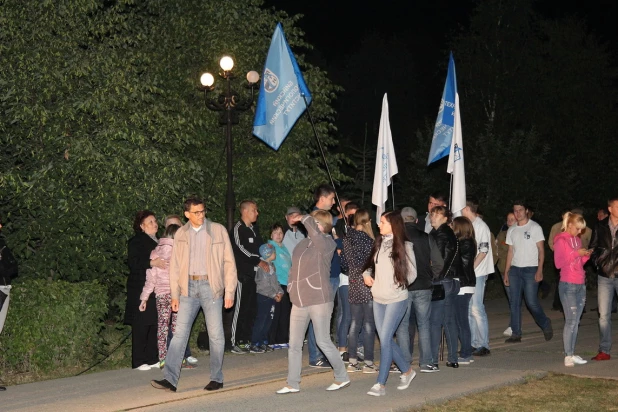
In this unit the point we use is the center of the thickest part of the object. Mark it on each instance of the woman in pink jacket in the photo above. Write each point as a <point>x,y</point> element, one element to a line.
<point>570,257</point>
<point>158,280</point>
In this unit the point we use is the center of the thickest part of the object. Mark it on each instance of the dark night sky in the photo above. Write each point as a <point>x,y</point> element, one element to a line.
<point>336,26</point>
<point>336,29</point>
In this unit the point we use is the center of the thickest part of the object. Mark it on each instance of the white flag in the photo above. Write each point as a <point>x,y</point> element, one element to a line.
<point>456,165</point>
<point>386,163</point>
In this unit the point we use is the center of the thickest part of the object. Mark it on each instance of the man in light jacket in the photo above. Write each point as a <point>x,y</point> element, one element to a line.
<point>202,274</point>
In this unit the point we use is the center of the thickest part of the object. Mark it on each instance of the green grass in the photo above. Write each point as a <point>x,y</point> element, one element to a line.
<point>554,392</point>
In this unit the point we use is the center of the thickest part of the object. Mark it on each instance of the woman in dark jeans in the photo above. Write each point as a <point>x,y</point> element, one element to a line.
<point>356,250</point>
<point>463,229</point>
<point>443,311</point>
<point>144,352</point>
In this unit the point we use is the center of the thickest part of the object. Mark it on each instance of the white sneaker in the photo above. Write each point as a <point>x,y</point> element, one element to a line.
<point>508,332</point>
<point>568,361</point>
<point>405,380</point>
<point>154,366</point>
<point>144,367</point>
<point>191,360</point>
<point>377,390</point>
<point>578,360</point>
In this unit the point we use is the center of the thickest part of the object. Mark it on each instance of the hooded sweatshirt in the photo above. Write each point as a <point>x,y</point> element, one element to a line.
<point>308,282</point>
<point>567,258</point>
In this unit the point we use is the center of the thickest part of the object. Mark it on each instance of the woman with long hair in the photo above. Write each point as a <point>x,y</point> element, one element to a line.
<point>357,246</point>
<point>443,311</point>
<point>464,231</point>
<point>388,272</point>
<point>570,257</point>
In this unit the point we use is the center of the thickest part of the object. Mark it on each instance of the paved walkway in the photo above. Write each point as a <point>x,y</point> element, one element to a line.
<point>251,380</point>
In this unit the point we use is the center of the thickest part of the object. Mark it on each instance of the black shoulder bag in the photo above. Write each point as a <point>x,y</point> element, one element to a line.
<point>438,292</point>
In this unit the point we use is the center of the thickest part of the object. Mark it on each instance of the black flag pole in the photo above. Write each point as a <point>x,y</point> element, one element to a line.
<point>330,176</point>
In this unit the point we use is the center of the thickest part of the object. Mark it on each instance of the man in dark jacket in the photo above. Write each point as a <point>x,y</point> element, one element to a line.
<point>435,199</point>
<point>419,294</point>
<point>246,242</point>
<point>604,243</point>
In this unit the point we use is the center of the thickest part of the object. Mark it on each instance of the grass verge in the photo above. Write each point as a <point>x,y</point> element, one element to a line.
<point>554,392</point>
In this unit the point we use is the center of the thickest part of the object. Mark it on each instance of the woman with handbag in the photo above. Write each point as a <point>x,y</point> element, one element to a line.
<point>443,310</point>
<point>388,272</point>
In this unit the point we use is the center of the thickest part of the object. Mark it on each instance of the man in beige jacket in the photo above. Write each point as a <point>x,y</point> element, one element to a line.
<point>202,274</point>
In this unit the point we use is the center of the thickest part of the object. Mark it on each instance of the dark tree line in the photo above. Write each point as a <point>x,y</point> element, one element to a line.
<point>538,97</point>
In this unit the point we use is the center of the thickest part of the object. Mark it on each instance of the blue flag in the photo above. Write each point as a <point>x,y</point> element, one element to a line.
<point>280,102</point>
<point>443,132</point>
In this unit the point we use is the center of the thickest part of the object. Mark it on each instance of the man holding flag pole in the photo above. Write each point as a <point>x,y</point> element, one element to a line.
<point>278,108</point>
<point>283,98</point>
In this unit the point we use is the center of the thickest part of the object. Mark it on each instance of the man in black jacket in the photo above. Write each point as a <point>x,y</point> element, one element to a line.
<point>419,294</point>
<point>435,199</point>
<point>246,242</point>
<point>604,244</point>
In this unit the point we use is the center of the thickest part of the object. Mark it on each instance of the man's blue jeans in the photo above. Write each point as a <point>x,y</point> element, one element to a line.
<point>479,327</point>
<point>200,295</point>
<point>443,314</point>
<point>419,304</point>
<point>387,318</point>
<point>521,280</point>
<point>607,288</point>
<point>315,353</point>
<point>573,299</point>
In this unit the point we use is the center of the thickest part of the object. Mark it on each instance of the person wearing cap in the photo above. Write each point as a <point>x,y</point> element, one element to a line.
<point>418,312</point>
<point>295,233</point>
<point>268,292</point>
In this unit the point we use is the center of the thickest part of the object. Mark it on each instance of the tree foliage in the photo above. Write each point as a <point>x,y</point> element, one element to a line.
<point>101,117</point>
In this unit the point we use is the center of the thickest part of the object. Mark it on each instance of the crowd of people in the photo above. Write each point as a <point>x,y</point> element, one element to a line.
<point>419,273</point>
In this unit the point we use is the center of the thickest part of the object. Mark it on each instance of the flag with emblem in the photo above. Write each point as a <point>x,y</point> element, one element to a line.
<point>283,92</point>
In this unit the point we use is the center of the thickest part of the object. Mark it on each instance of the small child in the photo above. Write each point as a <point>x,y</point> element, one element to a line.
<point>158,280</point>
<point>268,292</point>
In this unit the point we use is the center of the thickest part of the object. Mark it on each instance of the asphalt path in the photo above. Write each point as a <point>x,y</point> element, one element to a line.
<point>252,379</point>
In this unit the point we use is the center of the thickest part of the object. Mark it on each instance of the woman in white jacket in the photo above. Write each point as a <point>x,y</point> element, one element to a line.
<point>389,271</point>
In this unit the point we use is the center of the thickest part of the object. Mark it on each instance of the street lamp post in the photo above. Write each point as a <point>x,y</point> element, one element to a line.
<point>229,103</point>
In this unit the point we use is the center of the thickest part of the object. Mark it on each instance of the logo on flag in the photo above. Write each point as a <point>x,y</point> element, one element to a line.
<point>282,93</point>
<point>271,81</point>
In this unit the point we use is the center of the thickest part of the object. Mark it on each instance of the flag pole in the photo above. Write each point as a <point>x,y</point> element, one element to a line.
<point>450,194</point>
<point>393,192</point>
<point>315,133</point>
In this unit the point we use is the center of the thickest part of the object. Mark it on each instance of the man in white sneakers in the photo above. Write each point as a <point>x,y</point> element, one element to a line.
<point>524,271</point>
<point>483,266</point>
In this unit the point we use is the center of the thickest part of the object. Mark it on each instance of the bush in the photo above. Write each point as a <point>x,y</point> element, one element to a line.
<point>52,324</point>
